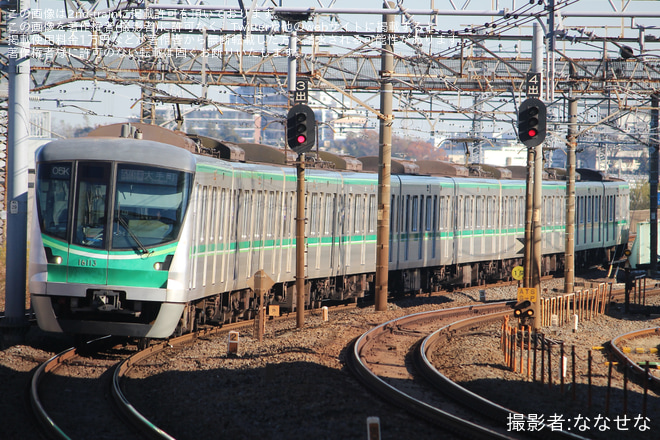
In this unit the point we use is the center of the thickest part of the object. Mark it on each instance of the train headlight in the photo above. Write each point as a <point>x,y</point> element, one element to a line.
<point>164,265</point>
<point>52,259</point>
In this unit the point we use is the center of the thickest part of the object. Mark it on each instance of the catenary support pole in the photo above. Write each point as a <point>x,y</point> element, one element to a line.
<point>569,250</point>
<point>537,65</point>
<point>15,323</point>
<point>293,61</point>
<point>528,258</point>
<point>529,205</point>
<point>384,163</point>
<point>653,179</point>
<point>537,238</point>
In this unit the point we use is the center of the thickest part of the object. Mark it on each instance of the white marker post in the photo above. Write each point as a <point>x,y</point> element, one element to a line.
<point>373,428</point>
<point>232,343</point>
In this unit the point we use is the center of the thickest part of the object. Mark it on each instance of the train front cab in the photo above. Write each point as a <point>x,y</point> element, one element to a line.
<point>104,237</point>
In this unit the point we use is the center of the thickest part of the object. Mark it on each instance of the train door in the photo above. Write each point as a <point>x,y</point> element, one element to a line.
<point>365,211</point>
<point>491,226</point>
<point>330,232</point>
<point>88,251</point>
<point>213,235</point>
<point>348,221</point>
<point>432,223</point>
<point>478,231</point>
<point>257,235</point>
<point>444,229</point>
<point>394,224</point>
<point>273,219</point>
<point>458,225</point>
<point>341,234</point>
<point>239,208</point>
<point>609,218</point>
<point>203,246</point>
<point>315,231</point>
<point>406,228</point>
<point>287,227</point>
<point>224,227</point>
<point>395,221</point>
<point>418,225</point>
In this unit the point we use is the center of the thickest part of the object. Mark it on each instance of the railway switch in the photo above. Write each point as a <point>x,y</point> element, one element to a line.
<point>301,128</point>
<point>532,122</point>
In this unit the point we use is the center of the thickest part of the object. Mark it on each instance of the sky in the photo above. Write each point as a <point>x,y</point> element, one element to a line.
<point>89,103</point>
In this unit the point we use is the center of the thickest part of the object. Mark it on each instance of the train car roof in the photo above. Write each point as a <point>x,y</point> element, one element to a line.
<point>118,149</point>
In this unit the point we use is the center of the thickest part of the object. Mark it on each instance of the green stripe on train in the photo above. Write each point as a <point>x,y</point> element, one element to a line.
<point>82,265</point>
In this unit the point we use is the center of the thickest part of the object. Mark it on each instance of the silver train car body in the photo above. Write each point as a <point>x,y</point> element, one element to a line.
<point>232,219</point>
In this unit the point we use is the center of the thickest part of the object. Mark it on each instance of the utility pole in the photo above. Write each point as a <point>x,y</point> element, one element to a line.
<point>653,179</point>
<point>299,138</point>
<point>300,242</point>
<point>18,132</point>
<point>537,233</point>
<point>529,205</point>
<point>384,162</point>
<point>532,155</point>
<point>569,249</point>
<point>537,61</point>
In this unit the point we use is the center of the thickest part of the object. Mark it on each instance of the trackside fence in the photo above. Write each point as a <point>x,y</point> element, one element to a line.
<point>549,363</point>
<point>584,303</point>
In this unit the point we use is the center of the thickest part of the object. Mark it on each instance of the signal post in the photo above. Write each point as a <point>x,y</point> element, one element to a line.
<point>532,117</point>
<point>301,137</point>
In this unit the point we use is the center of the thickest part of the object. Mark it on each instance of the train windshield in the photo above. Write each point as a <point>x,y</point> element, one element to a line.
<point>53,188</point>
<point>148,209</point>
<point>91,210</point>
<point>149,205</point>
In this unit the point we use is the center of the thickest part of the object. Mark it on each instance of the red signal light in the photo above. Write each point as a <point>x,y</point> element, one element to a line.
<point>301,139</point>
<point>532,132</point>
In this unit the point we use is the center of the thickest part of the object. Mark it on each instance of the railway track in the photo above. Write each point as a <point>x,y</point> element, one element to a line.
<point>57,389</point>
<point>76,381</point>
<point>635,349</point>
<point>388,367</point>
<point>390,358</point>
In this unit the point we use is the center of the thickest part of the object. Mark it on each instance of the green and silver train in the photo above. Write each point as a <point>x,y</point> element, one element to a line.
<point>146,239</point>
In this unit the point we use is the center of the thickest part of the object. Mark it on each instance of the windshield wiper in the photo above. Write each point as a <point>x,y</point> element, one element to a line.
<point>135,238</point>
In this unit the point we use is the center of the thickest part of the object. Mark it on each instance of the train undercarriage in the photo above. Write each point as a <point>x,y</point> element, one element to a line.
<point>228,307</point>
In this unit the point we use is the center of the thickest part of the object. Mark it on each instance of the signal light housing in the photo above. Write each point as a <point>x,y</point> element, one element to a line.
<point>523,310</point>
<point>301,128</point>
<point>532,117</point>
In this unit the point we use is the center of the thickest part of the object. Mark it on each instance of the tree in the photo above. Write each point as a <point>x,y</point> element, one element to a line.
<point>366,144</point>
<point>640,196</point>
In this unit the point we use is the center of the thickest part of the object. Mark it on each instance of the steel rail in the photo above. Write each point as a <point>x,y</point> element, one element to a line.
<point>406,401</point>
<point>466,397</point>
<point>628,362</point>
<point>52,364</point>
<point>144,425</point>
